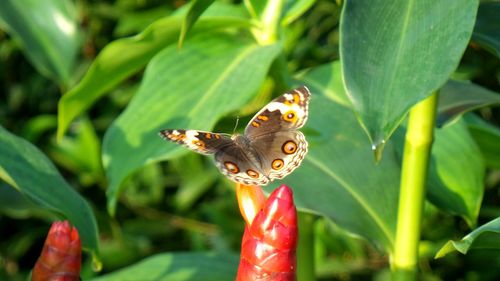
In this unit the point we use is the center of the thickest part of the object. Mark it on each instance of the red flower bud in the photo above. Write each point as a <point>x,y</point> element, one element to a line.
<point>60,259</point>
<point>269,243</point>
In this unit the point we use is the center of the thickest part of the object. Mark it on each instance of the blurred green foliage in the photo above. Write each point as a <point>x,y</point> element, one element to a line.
<point>184,205</point>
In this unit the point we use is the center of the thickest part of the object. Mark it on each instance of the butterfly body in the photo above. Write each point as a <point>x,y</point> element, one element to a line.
<point>270,148</point>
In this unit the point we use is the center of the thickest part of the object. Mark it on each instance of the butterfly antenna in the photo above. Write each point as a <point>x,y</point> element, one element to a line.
<point>236,125</point>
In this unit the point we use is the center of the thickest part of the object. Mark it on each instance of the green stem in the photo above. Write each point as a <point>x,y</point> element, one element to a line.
<point>418,142</point>
<point>267,32</point>
<point>305,248</point>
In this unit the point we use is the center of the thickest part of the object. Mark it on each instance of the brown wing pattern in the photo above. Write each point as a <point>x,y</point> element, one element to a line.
<point>198,141</point>
<point>271,148</point>
<point>240,165</point>
<point>280,153</point>
<point>287,112</point>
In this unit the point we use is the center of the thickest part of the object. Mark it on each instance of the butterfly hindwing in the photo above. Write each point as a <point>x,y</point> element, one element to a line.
<point>280,153</point>
<point>239,165</point>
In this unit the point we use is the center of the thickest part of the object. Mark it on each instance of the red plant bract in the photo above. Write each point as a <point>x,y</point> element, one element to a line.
<point>269,243</point>
<point>60,259</point>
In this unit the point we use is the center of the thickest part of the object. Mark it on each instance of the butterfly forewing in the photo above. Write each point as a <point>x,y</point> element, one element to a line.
<point>286,112</point>
<point>198,141</point>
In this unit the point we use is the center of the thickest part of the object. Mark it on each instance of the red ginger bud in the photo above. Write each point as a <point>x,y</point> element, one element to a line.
<point>60,259</point>
<point>269,243</point>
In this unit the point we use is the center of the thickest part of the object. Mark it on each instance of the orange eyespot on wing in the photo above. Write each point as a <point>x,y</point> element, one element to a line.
<point>231,167</point>
<point>277,164</point>
<point>253,174</point>
<point>289,147</point>
<point>290,116</point>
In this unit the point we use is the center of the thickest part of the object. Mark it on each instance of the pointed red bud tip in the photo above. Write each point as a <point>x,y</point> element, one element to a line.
<point>269,243</point>
<point>250,200</point>
<point>60,259</point>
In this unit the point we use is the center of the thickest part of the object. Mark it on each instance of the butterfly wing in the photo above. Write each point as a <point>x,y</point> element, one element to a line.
<point>287,112</point>
<point>198,141</point>
<point>237,164</point>
<point>230,158</point>
<point>280,153</point>
<point>271,147</point>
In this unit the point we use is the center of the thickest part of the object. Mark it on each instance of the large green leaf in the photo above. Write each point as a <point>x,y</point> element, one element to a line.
<point>457,172</point>
<point>486,237</point>
<point>47,31</point>
<point>487,138</point>
<point>395,53</point>
<point>195,10</point>
<point>487,25</point>
<point>339,180</point>
<point>338,177</point>
<point>124,57</point>
<point>458,97</point>
<point>214,73</point>
<point>15,204</point>
<point>28,170</point>
<point>178,267</point>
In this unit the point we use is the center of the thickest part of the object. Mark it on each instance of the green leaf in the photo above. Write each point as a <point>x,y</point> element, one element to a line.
<point>15,204</point>
<point>28,170</point>
<point>360,196</point>
<point>487,25</point>
<point>135,21</point>
<point>195,10</point>
<point>338,178</point>
<point>214,74</point>
<point>297,9</point>
<point>47,31</point>
<point>328,78</point>
<point>124,57</point>
<point>396,53</point>
<point>486,237</point>
<point>487,138</point>
<point>178,267</point>
<point>458,97</point>
<point>457,172</point>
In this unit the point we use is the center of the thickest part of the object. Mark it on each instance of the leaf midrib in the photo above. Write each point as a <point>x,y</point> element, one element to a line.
<point>226,73</point>
<point>401,42</point>
<point>372,213</point>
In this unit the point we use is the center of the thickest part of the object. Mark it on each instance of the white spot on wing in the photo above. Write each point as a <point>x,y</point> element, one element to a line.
<point>190,137</point>
<point>283,108</point>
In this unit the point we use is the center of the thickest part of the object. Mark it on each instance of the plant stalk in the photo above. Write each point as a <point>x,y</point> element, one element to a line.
<point>305,247</point>
<point>418,143</point>
<point>267,32</point>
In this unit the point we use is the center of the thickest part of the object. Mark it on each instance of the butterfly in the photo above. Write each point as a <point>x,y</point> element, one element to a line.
<point>270,148</point>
